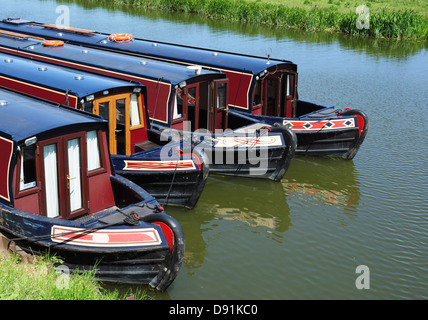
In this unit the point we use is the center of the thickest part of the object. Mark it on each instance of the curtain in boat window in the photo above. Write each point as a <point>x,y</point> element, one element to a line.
<point>135,112</point>
<point>94,161</point>
<point>51,180</point>
<point>74,178</point>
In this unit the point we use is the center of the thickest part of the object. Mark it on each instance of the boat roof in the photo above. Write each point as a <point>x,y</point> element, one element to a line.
<point>22,117</point>
<point>81,84</point>
<point>116,62</point>
<point>161,50</point>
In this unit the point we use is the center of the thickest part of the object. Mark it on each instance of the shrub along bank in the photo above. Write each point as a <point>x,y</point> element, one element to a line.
<point>400,24</point>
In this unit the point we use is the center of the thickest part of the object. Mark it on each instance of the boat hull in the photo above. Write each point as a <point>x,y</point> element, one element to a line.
<point>175,180</point>
<point>136,244</point>
<point>254,151</point>
<point>335,134</point>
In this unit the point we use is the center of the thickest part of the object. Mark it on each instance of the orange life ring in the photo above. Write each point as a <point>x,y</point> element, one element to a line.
<point>121,37</point>
<point>53,43</point>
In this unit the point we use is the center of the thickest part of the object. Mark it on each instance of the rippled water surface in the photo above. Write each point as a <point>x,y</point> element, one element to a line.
<point>304,237</point>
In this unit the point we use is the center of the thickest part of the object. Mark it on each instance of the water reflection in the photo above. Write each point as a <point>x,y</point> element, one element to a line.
<point>323,181</point>
<point>259,205</point>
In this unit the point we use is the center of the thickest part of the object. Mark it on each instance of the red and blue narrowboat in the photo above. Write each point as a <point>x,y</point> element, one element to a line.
<point>59,194</point>
<point>260,88</point>
<point>186,99</point>
<point>171,177</point>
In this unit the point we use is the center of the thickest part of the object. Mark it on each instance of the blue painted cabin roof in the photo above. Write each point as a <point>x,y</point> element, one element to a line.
<point>81,84</point>
<point>187,54</point>
<point>22,117</point>
<point>151,69</point>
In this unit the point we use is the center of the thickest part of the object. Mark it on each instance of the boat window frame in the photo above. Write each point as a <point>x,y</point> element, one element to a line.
<point>180,116</point>
<point>102,149</point>
<point>261,85</point>
<point>29,191</point>
<point>112,99</point>
<point>193,126</point>
<point>140,111</point>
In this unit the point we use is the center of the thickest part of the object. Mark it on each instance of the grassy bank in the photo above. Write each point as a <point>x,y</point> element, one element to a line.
<point>405,20</point>
<point>39,280</point>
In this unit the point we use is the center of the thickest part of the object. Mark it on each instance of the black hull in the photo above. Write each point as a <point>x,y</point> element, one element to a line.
<point>338,143</point>
<point>273,166</point>
<point>343,143</point>
<point>156,264</point>
<point>174,188</point>
<point>136,267</point>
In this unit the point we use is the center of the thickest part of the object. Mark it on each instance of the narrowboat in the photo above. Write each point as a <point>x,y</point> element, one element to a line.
<point>260,88</point>
<point>182,99</point>
<point>173,178</point>
<point>59,194</point>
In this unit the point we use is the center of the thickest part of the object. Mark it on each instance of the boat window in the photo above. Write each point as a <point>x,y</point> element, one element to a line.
<point>88,106</point>
<point>191,97</point>
<point>120,131</point>
<point>271,96</point>
<point>74,182</point>
<point>27,177</point>
<point>221,96</point>
<point>178,104</point>
<point>257,93</point>
<point>103,110</point>
<point>135,111</point>
<point>51,180</point>
<point>94,159</point>
<point>288,84</point>
<point>120,111</point>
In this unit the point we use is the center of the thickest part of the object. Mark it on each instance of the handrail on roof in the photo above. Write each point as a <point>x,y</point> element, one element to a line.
<point>63,28</point>
<point>17,35</point>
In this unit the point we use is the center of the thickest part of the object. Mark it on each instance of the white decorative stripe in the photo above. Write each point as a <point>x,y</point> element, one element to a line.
<point>106,238</point>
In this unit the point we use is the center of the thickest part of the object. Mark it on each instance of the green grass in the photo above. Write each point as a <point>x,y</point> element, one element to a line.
<point>406,19</point>
<point>39,280</point>
<point>347,6</point>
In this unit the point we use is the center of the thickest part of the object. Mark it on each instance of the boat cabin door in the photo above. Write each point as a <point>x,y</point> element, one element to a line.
<point>114,110</point>
<point>288,89</point>
<point>203,105</point>
<point>271,101</point>
<point>191,107</point>
<point>219,107</point>
<point>64,181</point>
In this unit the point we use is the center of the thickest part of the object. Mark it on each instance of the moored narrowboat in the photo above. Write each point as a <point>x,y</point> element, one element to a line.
<point>136,150</point>
<point>261,89</point>
<point>185,99</point>
<point>59,194</point>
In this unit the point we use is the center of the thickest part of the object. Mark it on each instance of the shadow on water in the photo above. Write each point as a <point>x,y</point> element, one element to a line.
<point>381,48</point>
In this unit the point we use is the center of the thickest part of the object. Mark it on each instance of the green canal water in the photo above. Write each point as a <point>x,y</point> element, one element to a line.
<point>306,236</point>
